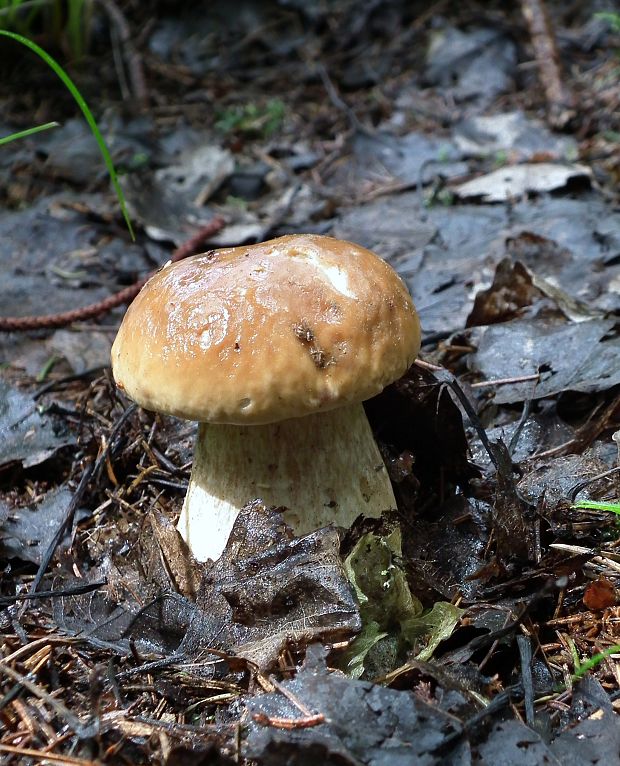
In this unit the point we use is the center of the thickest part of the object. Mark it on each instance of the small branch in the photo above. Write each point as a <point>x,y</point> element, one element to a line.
<point>83,730</point>
<point>293,699</point>
<point>77,590</point>
<point>447,378</point>
<point>46,755</point>
<point>560,102</point>
<point>134,62</point>
<point>289,723</point>
<point>20,324</point>
<point>504,381</point>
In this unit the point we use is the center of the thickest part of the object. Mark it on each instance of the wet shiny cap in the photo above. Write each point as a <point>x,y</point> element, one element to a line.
<point>266,332</point>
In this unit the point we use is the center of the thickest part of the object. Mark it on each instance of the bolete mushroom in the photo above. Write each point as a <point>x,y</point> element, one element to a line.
<point>272,348</point>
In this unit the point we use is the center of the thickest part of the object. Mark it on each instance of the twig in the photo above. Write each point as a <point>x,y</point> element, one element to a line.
<point>83,731</point>
<point>586,433</point>
<point>577,488</point>
<point>447,378</point>
<point>43,755</point>
<point>77,590</point>
<point>34,646</point>
<point>338,101</point>
<point>67,379</point>
<point>92,469</point>
<point>289,723</point>
<point>514,440</point>
<point>292,698</point>
<point>134,62</point>
<point>62,527</point>
<point>560,102</point>
<point>525,654</point>
<point>148,667</point>
<point>504,381</point>
<point>17,324</point>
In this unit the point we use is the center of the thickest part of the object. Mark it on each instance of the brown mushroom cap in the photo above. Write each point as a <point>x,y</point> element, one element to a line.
<point>266,332</point>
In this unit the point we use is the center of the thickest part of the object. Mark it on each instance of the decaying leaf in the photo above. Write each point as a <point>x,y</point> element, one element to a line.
<point>26,433</point>
<point>389,609</point>
<point>568,356</point>
<point>173,556</point>
<point>510,292</point>
<point>600,594</point>
<point>516,286</point>
<point>269,590</point>
<point>517,180</point>
<point>26,532</point>
<point>514,523</point>
<point>514,133</point>
<point>363,724</point>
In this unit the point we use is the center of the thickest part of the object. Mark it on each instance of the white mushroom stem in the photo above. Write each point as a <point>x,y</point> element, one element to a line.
<point>325,468</point>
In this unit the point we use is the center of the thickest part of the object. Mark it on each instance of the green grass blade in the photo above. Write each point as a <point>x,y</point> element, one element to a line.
<point>71,87</point>
<point>27,132</point>
<point>76,27</point>
<point>592,505</point>
<point>594,661</point>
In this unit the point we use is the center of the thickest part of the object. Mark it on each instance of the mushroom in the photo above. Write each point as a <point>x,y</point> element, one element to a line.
<point>272,348</point>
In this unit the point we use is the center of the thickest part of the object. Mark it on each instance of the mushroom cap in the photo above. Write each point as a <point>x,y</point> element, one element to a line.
<point>267,332</point>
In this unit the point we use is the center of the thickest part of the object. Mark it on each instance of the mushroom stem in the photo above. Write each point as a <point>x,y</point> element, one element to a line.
<point>324,468</point>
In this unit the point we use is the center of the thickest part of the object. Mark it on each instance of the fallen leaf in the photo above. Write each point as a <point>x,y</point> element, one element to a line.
<point>27,433</point>
<point>388,608</point>
<point>600,594</point>
<point>517,180</point>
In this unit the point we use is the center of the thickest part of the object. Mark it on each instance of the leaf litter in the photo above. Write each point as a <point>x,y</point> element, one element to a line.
<point>462,643</point>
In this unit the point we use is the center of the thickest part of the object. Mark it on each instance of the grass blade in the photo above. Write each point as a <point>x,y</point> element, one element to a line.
<point>88,115</point>
<point>594,661</point>
<point>593,505</point>
<point>27,132</point>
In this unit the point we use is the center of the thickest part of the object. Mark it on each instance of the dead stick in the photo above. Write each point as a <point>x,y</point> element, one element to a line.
<point>17,324</point>
<point>504,381</point>
<point>45,755</point>
<point>560,102</point>
<point>134,62</point>
<point>289,723</point>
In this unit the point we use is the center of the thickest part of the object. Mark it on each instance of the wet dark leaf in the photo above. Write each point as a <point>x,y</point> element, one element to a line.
<point>568,357</point>
<point>595,740</point>
<point>27,434</point>
<point>542,430</point>
<point>513,133</point>
<point>385,159</point>
<point>445,552</point>
<point>82,350</point>
<point>267,590</point>
<point>48,251</point>
<point>364,724</point>
<point>561,478</point>
<point>101,617</point>
<point>474,64</point>
<point>27,532</point>
<point>170,201</point>
<point>512,742</point>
